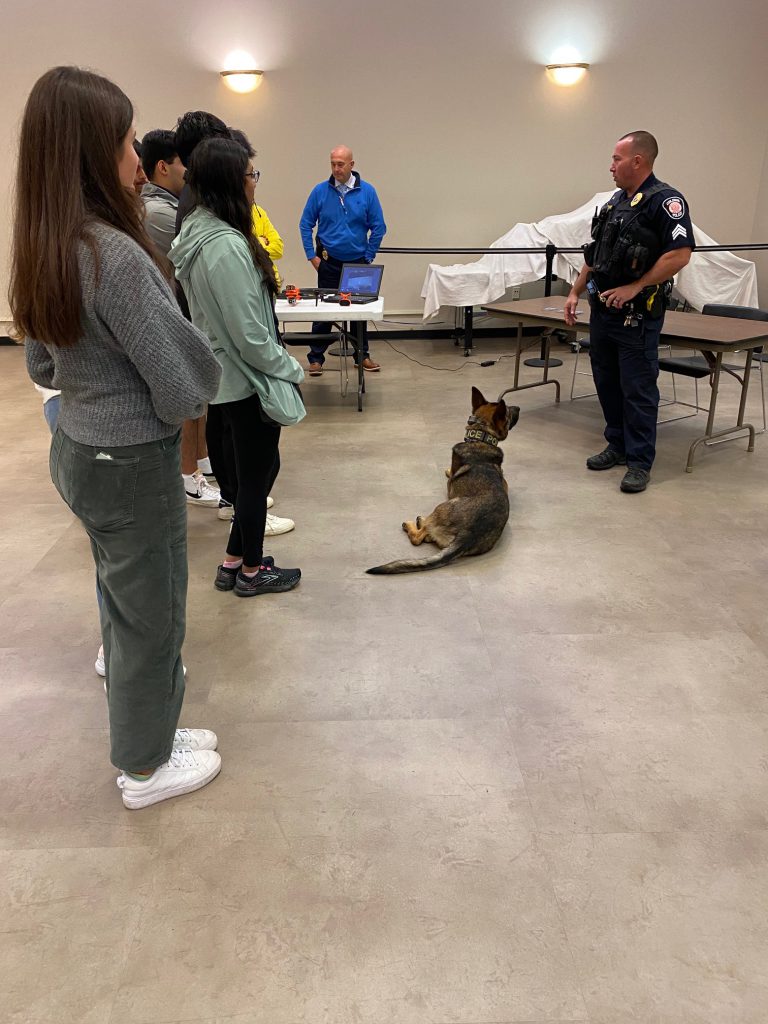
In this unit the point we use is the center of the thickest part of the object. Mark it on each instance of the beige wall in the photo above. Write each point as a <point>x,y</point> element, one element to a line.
<point>760,231</point>
<point>444,102</point>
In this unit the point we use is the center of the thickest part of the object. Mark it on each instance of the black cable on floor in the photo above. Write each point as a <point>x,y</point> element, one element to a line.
<point>445,369</point>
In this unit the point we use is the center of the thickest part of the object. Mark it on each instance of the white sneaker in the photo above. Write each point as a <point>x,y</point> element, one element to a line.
<point>195,739</point>
<point>277,525</point>
<point>226,511</point>
<point>200,492</point>
<point>186,771</point>
<point>204,465</point>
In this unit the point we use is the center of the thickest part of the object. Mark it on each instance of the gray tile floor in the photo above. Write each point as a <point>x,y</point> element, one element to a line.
<point>531,787</point>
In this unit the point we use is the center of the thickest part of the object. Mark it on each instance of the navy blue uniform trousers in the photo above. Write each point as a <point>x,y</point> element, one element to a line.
<point>328,276</point>
<point>625,366</point>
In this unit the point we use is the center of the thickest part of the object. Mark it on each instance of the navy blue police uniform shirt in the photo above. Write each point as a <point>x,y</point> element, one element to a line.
<point>660,221</point>
<point>666,214</point>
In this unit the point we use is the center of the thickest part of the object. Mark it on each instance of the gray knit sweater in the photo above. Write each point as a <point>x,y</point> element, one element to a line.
<point>139,369</point>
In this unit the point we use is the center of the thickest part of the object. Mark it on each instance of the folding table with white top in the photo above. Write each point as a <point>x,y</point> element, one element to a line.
<point>305,310</point>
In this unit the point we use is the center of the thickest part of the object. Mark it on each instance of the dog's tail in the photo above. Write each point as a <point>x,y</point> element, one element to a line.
<point>448,554</point>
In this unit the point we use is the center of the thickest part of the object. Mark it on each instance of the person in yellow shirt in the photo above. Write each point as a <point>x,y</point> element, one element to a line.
<point>268,236</point>
<point>263,227</point>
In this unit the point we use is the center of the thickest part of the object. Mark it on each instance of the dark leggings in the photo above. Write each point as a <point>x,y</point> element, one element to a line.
<point>218,439</point>
<point>256,459</point>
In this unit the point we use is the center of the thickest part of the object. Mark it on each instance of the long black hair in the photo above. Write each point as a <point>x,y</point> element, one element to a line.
<point>216,175</point>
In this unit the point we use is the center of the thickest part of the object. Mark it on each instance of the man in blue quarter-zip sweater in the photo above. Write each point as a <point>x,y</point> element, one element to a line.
<point>350,228</point>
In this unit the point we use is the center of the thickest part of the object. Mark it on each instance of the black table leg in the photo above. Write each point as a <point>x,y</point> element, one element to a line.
<point>544,359</point>
<point>359,332</point>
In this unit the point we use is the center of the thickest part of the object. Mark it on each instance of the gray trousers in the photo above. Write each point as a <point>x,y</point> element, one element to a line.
<point>132,504</point>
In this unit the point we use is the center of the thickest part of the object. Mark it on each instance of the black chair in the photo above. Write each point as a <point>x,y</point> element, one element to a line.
<point>758,356</point>
<point>697,367</point>
<point>305,339</point>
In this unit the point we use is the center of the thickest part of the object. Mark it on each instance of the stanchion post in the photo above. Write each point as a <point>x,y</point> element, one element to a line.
<point>549,254</point>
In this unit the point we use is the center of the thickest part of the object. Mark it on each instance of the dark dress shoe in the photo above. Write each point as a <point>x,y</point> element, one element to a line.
<point>635,480</point>
<point>607,459</point>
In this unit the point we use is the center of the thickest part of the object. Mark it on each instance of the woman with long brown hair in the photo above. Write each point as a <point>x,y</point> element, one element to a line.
<point>90,295</point>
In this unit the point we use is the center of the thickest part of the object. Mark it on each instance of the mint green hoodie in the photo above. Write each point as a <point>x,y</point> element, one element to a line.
<point>231,305</point>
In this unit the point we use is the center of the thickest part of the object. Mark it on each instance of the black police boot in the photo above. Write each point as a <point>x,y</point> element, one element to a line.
<point>635,480</point>
<point>607,459</point>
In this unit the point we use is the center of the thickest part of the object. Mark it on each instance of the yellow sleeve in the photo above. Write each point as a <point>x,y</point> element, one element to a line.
<point>262,227</point>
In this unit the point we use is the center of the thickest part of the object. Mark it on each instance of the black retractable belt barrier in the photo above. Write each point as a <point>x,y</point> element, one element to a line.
<point>550,251</point>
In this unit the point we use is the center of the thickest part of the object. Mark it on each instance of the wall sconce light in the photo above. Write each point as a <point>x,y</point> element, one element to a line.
<point>240,74</point>
<point>242,80</point>
<point>567,74</point>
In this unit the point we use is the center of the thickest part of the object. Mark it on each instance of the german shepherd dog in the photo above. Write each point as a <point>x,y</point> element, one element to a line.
<point>477,510</point>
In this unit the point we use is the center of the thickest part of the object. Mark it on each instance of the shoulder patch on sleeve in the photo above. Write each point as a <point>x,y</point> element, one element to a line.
<point>675,207</point>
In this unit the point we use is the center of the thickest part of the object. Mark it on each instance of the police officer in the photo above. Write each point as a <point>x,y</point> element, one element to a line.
<point>640,239</point>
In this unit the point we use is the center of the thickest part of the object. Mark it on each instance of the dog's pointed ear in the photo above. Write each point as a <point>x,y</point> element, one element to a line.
<point>499,417</point>
<point>478,399</point>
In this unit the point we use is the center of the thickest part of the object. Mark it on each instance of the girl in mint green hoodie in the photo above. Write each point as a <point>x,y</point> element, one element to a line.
<point>229,282</point>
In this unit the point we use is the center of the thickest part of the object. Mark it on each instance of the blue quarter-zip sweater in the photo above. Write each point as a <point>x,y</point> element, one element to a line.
<point>351,228</point>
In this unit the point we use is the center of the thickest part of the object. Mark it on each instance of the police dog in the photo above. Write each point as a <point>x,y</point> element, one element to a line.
<point>477,510</point>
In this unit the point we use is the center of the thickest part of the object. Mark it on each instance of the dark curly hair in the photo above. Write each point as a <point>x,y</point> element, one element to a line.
<point>193,127</point>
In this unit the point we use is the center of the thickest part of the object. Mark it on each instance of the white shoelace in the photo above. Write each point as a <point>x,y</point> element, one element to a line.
<point>182,757</point>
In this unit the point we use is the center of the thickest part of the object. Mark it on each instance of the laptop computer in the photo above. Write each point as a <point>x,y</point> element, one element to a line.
<point>362,281</point>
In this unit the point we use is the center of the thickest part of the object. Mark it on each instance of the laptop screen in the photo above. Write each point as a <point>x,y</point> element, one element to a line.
<point>361,278</point>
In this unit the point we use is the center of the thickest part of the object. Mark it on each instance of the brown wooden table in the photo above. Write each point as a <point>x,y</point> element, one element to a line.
<point>715,334</point>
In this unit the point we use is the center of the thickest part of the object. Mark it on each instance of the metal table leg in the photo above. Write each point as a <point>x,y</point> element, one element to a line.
<point>516,385</point>
<point>710,435</point>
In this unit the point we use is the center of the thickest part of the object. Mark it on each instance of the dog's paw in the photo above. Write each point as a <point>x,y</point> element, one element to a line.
<point>418,522</point>
<point>405,527</point>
